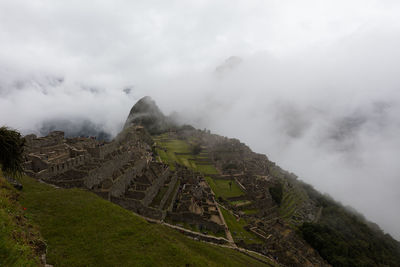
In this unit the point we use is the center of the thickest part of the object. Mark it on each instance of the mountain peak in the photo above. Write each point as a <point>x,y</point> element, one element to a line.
<point>146,113</point>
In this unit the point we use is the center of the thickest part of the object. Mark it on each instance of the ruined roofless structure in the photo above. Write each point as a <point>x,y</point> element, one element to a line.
<point>126,172</point>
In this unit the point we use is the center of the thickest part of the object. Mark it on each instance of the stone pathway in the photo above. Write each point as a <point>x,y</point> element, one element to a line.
<point>227,232</point>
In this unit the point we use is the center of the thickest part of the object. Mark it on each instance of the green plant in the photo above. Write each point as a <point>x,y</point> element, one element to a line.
<point>196,149</point>
<point>276,192</point>
<point>11,149</point>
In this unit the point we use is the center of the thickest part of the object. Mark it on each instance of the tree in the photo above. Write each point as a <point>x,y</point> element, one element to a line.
<point>276,192</point>
<point>196,149</point>
<point>11,149</point>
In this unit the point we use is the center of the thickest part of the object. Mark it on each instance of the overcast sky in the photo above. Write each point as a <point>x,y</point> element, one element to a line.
<point>312,84</point>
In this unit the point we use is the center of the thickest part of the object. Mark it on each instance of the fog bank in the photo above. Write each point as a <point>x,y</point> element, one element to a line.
<point>313,85</point>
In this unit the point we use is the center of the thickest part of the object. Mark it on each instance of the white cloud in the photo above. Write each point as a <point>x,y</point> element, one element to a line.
<point>317,90</point>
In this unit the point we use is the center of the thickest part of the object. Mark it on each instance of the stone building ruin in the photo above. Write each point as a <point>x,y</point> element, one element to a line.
<point>126,172</point>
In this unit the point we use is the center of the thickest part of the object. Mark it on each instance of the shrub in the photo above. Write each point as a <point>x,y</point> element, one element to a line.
<point>276,192</point>
<point>11,149</point>
<point>196,149</point>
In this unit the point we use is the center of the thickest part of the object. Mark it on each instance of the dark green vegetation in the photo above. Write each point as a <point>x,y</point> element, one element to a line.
<point>11,148</point>
<point>276,192</point>
<point>20,242</point>
<point>196,149</point>
<point>344,239</point>
<point>80,231</point>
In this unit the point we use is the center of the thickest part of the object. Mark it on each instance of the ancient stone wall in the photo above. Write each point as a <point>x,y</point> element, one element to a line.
<point>154,188</point>
<point>121,184</point>
<point>171,205</point>
<point>107,169</point>
<point>171,187</point>
<point>33,142</point>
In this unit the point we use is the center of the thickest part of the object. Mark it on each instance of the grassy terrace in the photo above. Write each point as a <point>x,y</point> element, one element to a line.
<point>81,229</point>
<point>179,151</point>
<point>237,230</point>
<point>221,188</point>
<point>291,201</point>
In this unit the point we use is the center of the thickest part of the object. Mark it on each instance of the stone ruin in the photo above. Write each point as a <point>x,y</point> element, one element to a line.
<point>255,174</point>
<point>195,203</point>
<point>126,172</point>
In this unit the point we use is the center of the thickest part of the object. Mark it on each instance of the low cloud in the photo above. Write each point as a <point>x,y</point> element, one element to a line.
<point>314,86</point>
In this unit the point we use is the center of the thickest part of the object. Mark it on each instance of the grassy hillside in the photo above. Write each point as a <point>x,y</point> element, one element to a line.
<point>20,242</point>
<point>82,229</point>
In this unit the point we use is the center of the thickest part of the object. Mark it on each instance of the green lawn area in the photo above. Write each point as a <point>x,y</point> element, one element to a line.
<point>81,229</point>
<point>237,230</point>
<point>221,188</point>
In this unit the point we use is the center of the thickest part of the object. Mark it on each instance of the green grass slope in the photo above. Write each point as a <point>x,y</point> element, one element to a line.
<point>20,243</point>
<point>81,229</point>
